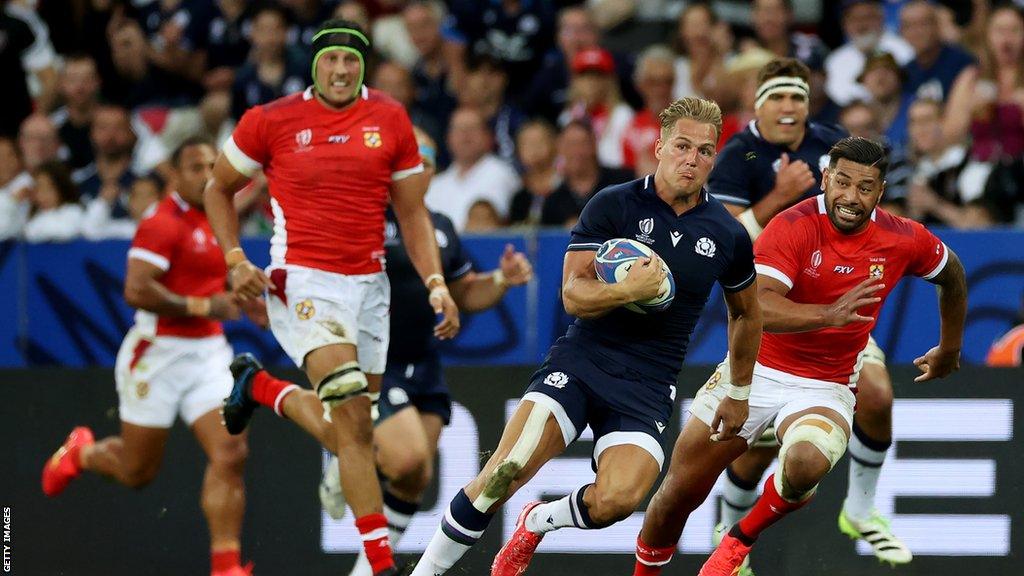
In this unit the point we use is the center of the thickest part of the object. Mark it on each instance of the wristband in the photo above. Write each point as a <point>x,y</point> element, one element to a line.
<point>499,278</point>
<point>738,392</point>
<point>441,290</point>
<point>234,257</point>
<point>433,278</point>
<point>197,306</point>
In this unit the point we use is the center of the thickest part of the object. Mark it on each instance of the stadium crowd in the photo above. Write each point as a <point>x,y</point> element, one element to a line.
<point>534,105</point>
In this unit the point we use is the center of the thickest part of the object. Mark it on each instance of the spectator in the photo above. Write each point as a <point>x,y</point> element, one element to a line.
<point>942,191</point>
<point>517,33</point>
<point>434,74</point>
<point>654,78</point>
<point>883,78</point>
<point>475,191</point>
<point>274,69</point>
<point>99,221</point>
<point>38,141</point>
<point>18,41</point>
<point>80,92</point>
<point>937,67</point>
<point>861,119</point>
<point>15,185</point>
<point>55,215</point>
<point>396,81</point>
<point>110,176</point>
<point>177,32</point>
<point>863,24</point>
<point>306,17</point>
<point>741,74</point>
<point>227,44</point>
<point>484,90</point>
<point>594,97</point>
<point>141,83</point>
<point>390,37</point>
<point>990,105</point>
<point>772,21</point>
<point>700,66</point>
<point>536,147</point>
<point>582,176</point>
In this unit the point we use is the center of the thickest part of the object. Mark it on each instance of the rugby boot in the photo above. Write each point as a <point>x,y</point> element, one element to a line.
<point>716,538</point>
<point>515,555</point>
<point>875,530</point>
<point>239,406</point>
<point>727,559</point>
<point>64,465</point>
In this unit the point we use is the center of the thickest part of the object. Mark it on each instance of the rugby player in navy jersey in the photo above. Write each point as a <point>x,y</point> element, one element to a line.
<point>415,404</point>
<point>615,369</point>
<point>771,165</point>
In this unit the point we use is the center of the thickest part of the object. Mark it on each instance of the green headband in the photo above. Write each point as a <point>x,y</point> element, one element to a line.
<point>353,41</point>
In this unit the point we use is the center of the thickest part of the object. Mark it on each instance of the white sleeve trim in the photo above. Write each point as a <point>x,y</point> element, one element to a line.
<point>149,256</point>
<point>399,175</point>
<point>731,199</point>
<point>585,246</point>
<point>239,160</point>
<point>462,271</point>
<point>942,264</point>
<point>745,281</point>
<point>774,273</point>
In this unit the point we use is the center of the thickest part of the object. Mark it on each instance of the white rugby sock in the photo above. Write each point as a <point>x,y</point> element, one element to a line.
<point>441,554</point>
<point>558,514</point>
<point>866,458</point>
<point>737,499</point>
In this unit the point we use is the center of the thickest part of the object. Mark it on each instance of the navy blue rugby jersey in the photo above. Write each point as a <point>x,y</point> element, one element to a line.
<point>412,318</point>
<point>745,169</point>
<point>702,246</point>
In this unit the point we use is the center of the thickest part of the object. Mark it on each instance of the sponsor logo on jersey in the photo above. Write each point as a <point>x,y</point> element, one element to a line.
<point>556,379</point>
<point>371,137</point>
<point>660,426</point>
<point>646,227</point>
<point>304,138</point>
<point>337,138</point>
<point>750,156</point>
<point>705,247</point>
<point>305,310</point>
<point>876,270</point>
<point>676,236</point>
<point>840,269</point>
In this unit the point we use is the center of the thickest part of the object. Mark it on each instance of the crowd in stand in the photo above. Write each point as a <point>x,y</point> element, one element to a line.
<point>534,105</point>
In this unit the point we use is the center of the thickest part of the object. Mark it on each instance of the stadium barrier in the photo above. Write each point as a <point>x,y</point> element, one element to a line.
<point>63,305</point>
<point>953,483</point>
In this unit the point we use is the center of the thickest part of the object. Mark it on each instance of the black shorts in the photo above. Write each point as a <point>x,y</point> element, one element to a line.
<point>420,384</point>
<point>619,405</point>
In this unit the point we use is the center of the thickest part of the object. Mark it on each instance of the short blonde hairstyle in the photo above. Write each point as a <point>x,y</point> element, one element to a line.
<point>692,108</point>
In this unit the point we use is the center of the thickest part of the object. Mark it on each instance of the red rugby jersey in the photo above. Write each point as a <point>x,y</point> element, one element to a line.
<point>178,239</point>
<point>801,248</point>
<point>329,173</point>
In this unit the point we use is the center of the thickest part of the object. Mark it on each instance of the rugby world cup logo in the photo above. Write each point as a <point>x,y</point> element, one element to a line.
<point>304,137</point>
<point>647,225</point>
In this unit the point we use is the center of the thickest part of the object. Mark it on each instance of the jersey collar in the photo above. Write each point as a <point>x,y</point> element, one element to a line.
<point>364,93</point>
<point>182,205</point>
<point>653,194</point>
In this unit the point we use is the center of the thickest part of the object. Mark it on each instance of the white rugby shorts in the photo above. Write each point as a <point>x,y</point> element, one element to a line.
<point>774,396</point>
<point>310,309</point>
<point>162,377</point>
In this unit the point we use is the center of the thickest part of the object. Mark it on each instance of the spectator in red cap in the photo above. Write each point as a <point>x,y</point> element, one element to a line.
<point>594,97</point>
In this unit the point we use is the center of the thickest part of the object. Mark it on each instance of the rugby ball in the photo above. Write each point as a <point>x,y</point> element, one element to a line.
<point>613,261</point>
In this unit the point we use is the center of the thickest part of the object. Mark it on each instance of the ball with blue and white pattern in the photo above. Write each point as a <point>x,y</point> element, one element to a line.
<point>613,261</point>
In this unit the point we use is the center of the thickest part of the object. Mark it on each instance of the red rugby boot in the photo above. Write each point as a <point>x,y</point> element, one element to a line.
<point>515,555</point>
<point>64,466</point>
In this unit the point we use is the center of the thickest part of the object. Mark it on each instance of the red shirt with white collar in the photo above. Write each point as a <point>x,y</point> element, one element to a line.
<point>177,238</point>
<point>329,173</point>
<point>802,249</point>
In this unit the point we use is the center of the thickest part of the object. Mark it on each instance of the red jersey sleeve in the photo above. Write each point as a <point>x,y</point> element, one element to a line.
<point>248,148</point>
<point>155,241</point>
<point>406,161</point>
<point>780,251</point>
<point>928,254</point>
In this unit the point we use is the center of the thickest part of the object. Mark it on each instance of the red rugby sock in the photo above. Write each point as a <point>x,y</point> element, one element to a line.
<point>270,391</point>
<point>769,509</point>
<point>373,529</point>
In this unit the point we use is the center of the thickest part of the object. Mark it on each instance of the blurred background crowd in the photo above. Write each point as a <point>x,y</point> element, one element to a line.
<point>534,105</point>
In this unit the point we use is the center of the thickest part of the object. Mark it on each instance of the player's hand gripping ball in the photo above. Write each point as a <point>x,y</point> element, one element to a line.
<point>617,256</point>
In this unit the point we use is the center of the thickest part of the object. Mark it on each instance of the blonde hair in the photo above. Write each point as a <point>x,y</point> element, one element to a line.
<point>692,108</point>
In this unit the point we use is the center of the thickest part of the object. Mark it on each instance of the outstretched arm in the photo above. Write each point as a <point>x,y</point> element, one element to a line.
<point>944,359</point>
<point>783,315</point>
<point>475,292</point>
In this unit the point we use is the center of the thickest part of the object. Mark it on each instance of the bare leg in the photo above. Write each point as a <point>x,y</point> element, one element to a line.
<point>223,492</point>
<point>133,458</point>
